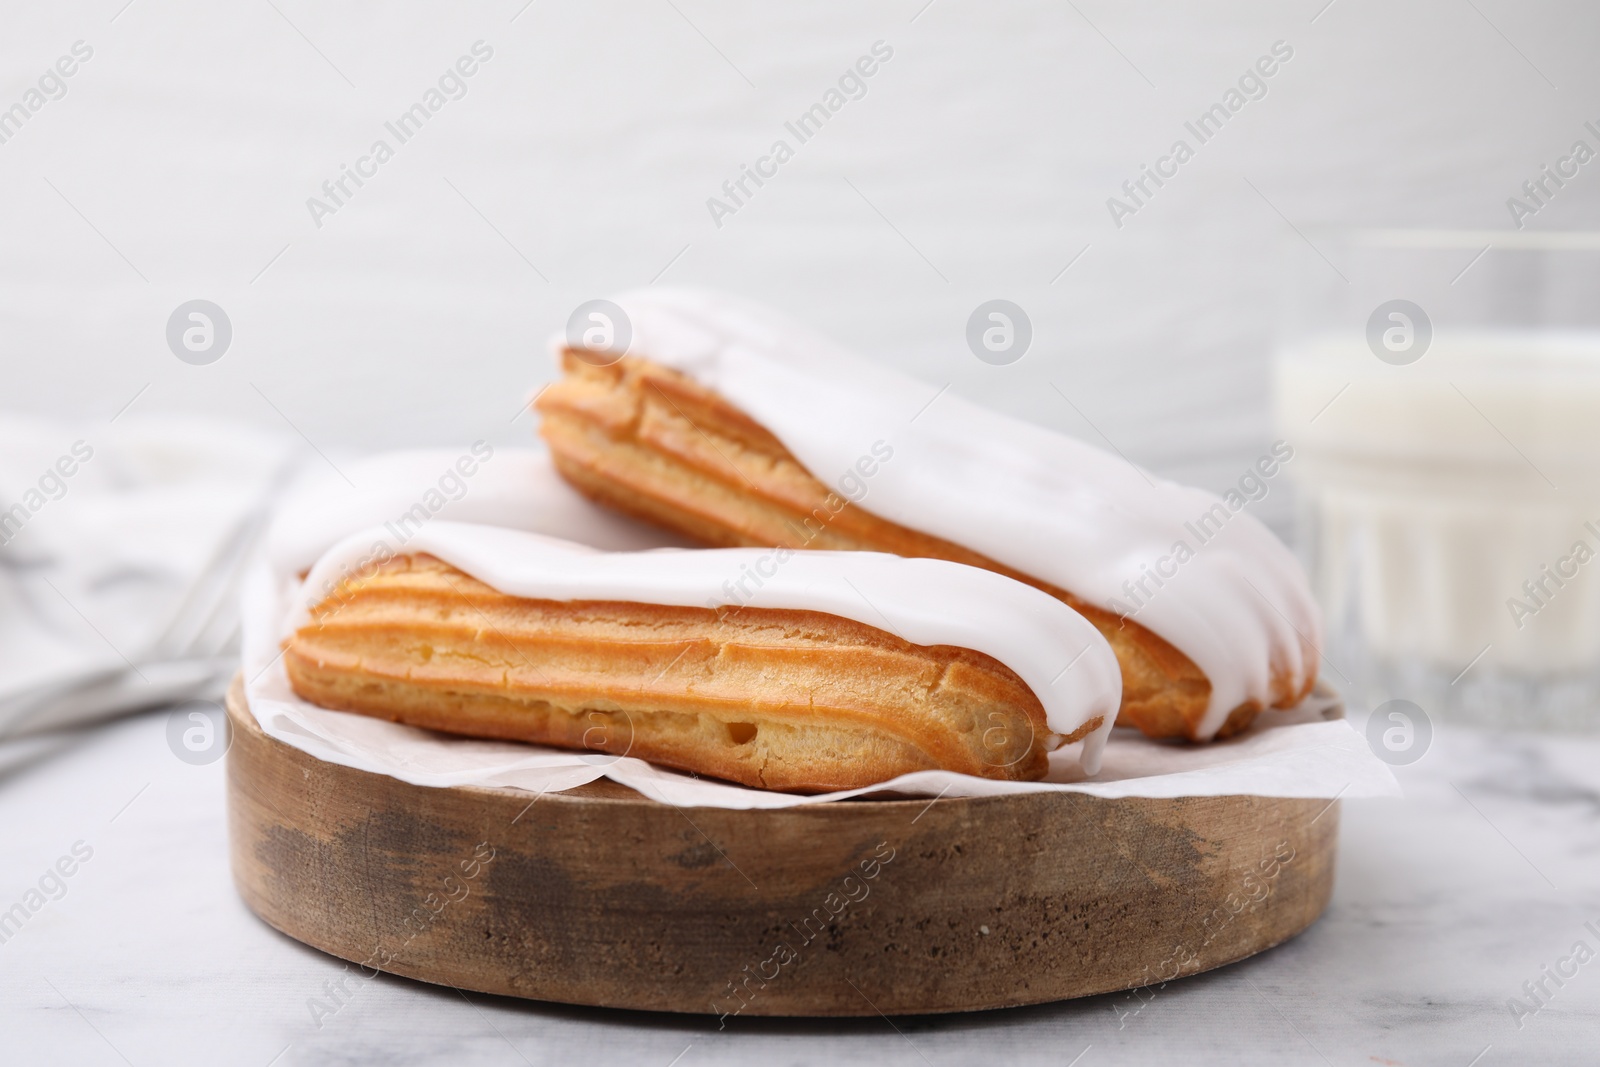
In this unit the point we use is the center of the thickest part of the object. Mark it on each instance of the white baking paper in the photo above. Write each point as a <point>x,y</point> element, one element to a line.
<point>1308,752</point>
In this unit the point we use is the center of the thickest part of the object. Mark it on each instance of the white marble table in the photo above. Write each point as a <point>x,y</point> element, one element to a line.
<point>1446,903</point>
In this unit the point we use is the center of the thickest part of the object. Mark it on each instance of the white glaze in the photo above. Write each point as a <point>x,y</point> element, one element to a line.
<point>1053,649</point>
<point>1044,503</point>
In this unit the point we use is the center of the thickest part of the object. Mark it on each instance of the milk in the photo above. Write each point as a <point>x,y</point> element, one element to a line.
<point>1452,509</point>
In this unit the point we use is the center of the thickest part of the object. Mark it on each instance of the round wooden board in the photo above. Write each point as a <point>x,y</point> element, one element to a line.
<point>599,896</point>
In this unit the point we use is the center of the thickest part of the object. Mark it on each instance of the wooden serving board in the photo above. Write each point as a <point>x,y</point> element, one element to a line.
<point>599,896</point>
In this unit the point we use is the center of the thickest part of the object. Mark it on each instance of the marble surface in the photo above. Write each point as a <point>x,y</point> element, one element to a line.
<point>1446,903</point>
<point>179,165</point>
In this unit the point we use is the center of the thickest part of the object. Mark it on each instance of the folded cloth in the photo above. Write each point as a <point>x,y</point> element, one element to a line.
<point>121,551</point>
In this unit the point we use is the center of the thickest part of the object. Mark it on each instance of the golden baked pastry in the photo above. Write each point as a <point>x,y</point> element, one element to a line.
<point>769,698</point>
<point>656,444</point>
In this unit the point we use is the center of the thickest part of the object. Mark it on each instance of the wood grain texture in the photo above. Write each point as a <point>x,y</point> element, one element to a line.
<point>601,897</point>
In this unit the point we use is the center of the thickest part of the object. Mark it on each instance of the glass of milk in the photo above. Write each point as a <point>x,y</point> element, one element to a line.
<point>1442,393</point>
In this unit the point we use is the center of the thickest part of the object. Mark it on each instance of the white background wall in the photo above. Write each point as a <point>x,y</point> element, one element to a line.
<point>592,139</point>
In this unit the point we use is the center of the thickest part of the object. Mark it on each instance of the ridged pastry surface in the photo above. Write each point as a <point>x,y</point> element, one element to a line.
<point>658,445</point>
<point>770,698</point>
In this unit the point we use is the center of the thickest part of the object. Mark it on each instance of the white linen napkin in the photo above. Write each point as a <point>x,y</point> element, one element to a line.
<point>122,548</point>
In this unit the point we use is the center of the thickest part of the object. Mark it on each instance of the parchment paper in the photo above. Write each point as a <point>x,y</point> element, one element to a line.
<point>1307,752</point>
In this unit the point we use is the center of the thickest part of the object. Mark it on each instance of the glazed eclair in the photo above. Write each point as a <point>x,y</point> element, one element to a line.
<point>725,422</point>
<point>837,671</point>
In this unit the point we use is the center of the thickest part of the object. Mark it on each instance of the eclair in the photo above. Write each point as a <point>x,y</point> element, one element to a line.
<point>839,671</point>
<point>725,422</point>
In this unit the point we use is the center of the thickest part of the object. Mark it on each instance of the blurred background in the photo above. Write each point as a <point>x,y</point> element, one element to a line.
<point>1376,247</point>
<point>999,152</point>
<point>978,165</point>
